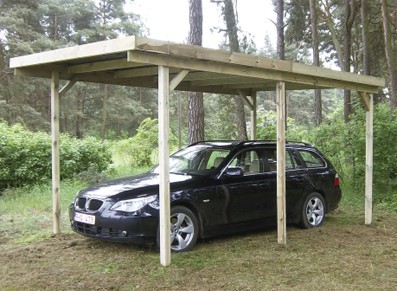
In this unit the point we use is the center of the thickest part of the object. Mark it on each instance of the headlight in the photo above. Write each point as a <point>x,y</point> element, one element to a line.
<point>132,205</point>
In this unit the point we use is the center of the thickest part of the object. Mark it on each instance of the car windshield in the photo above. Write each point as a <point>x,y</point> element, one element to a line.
<point>196,160</point>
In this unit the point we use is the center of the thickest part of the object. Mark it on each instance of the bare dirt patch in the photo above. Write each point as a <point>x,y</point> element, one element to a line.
<point>343,254</point>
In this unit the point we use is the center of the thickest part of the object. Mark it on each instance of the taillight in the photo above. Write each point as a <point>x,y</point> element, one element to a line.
<point>336,180</point>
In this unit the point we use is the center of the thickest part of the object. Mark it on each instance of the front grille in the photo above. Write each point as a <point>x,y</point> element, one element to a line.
<point>96,230</point>
<point>88,204</point>
<point>81,203</point>
<point>94,204</point>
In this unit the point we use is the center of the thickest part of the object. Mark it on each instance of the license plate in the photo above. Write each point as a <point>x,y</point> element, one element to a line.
<point>84,218</point>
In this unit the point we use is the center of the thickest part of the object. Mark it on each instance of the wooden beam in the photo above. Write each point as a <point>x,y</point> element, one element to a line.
<point>281,184</point>
<point>100,48</point>
<point>177,79</point>
<point>137,72</point>
<point>314,71</point>
<point>246,100</point>
<point>165,225</point>
<point>365,99</point>
<point>67,87</point>
<point>244,71</point>
<point>226,57</point>
<point>101,66</point>
<point>203,76</point>
<point>43,71</point>
<point>369,137</point>
<point>56,196</point>
<point>226,81</point>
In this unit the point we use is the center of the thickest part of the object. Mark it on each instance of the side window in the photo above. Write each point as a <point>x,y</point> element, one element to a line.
<point>271,159</point>
<point>289,161</point>
<point>271,156</point>
<point>216,158</point>
<point>248,161</point>
<point>311,159</point>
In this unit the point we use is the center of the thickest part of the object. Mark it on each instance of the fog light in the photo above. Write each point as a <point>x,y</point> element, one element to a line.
<point>124,233</point>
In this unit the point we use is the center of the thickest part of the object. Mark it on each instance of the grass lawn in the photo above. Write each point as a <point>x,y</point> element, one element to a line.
<point>343,254</point>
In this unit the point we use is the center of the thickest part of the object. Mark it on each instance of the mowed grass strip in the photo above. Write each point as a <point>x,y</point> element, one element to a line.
<point>343,254</point>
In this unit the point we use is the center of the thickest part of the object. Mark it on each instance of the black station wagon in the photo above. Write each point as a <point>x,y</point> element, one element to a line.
<point>217,187</point>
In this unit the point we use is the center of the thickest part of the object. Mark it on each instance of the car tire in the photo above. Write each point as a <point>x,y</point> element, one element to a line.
<point>184,230</point>
<point>313,211</point>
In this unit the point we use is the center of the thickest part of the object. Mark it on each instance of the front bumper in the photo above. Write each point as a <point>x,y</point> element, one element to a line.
<point>117,227</point>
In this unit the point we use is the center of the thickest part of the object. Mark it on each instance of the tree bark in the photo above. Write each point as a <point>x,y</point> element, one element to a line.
<point>105,110</point>
<point>391,60</point>
<point>79,115</point>
<point>316,61</point>
<point>350,9</point>
<point>330,24</point>
<point>195,99</point>
<point>364,33</point>
<point>280,29</point>
<point>231,27</point>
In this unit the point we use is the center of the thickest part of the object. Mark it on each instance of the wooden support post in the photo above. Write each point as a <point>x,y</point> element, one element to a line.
<point>369,128</point>
<point>281,185</point>
<point>163,108</point>
<point>56,195</point>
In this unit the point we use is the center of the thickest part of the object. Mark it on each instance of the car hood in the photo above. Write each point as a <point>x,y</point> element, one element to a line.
<point>147,183</point>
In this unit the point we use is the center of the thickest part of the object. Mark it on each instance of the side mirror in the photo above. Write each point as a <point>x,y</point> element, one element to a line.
<point>234,172</point>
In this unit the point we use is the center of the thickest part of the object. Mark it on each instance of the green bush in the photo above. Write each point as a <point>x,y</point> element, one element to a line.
<point>267,127</point>
<point>25,157</point>
<point>344,144</point>
<point>141,149</point>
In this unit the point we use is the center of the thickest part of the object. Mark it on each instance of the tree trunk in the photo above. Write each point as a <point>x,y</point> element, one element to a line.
<point>195,99</point>
<point>330,25</point>
<point>79,115</point>
<point>364,25</point>
<point>350,15</point>
<point>316,62</point>
<point>280,29</point>
<point>105,110</point>
<point>231,27</point>
<point>391,60</point>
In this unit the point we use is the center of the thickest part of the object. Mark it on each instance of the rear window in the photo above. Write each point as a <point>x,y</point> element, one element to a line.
<point>311,159</point>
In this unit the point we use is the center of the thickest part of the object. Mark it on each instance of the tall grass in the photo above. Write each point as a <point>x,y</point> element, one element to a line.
<point>26,213</point>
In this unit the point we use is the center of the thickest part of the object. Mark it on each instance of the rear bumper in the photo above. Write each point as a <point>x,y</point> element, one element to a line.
<point>334,202</point>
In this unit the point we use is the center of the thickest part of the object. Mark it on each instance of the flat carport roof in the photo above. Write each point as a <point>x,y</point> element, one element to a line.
<point>143,62</point>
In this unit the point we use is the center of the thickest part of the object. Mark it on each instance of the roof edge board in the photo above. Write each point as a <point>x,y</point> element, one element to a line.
<point>75,52</point>
<point>255,72</point>
<point>202,53</point>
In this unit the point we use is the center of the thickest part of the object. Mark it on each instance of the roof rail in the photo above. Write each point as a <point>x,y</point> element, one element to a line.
<point>239,142</point>
<point>217,140</point>
<point>287,141</point>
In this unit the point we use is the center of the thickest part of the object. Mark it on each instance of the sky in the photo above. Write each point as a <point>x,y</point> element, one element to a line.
<point>169,20</point>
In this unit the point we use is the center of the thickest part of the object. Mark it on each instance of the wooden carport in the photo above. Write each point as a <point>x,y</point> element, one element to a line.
<point>143,62</point>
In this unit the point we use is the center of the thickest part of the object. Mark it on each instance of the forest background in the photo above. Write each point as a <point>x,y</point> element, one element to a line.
<point>104,124</point>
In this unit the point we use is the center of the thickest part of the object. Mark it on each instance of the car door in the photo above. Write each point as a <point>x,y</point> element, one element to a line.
<point>247,196</point>
<point>295,180</point>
